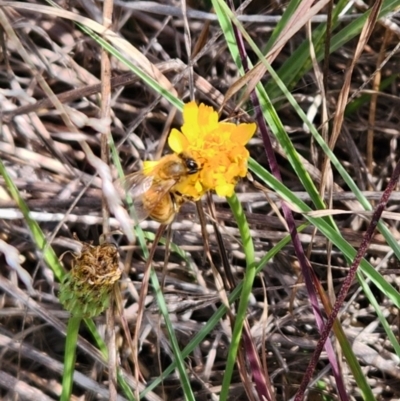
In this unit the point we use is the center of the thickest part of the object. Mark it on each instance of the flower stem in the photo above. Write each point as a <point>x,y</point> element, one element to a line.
<point>248,248</point>
<point>69,357</point>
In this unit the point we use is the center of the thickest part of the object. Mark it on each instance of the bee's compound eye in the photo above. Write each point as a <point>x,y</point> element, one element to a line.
<point>192,166</point>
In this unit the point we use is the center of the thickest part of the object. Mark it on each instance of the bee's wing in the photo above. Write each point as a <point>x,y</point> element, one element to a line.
<point>146,192</point>
<point>135,184</point>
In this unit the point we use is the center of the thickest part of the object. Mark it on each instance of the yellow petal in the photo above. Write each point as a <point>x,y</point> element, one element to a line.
<point>199,188</point>
<point>149,166</point>
<point>191,128</point>
<point>243,132</point>
<point>228,127</point>
<point>233,172</point>
<point>177,141</point>
<point>190,112</point>
<point>207,118</point>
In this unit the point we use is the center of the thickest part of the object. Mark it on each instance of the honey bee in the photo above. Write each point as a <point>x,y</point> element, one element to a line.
<point>153,195</point>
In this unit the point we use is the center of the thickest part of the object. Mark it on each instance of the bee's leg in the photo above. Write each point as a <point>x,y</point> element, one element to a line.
<point>177,200</point>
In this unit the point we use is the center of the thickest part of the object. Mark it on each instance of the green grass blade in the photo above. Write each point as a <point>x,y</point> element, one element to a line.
<point>372,299</point>
<point>38,237</point>
<point>69,357</point>
<point>290,8</point>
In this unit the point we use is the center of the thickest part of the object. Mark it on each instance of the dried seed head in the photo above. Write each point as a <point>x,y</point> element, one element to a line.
<point>86,289</point>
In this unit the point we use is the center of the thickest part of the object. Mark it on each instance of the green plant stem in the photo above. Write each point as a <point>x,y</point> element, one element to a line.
<point>248,248</point>
<point>69,357</point>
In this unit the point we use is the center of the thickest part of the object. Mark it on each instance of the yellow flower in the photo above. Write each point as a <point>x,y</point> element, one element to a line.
<point>218,148</point>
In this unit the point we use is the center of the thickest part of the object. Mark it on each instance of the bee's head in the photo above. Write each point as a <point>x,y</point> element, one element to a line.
<point>191,166</point>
